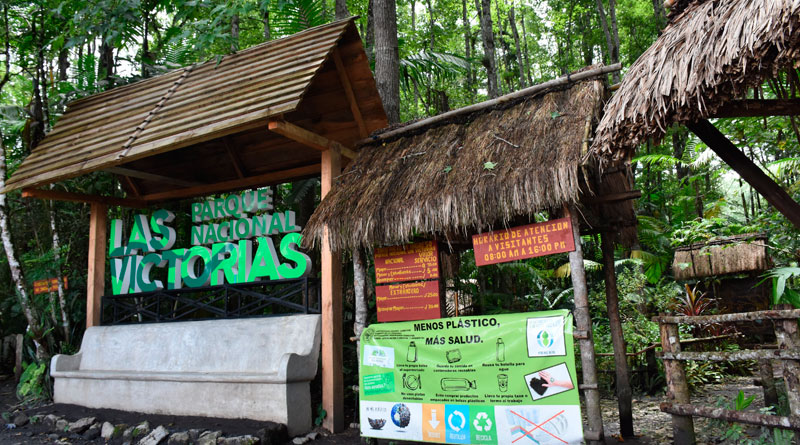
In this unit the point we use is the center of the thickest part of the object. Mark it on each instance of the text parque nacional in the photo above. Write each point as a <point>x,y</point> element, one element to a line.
<point>221,251</point>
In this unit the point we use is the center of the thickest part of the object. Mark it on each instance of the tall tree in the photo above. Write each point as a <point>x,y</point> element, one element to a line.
<point>487,35</point>
<point>521,68</point>
<point>341,10</point>
<point>387,57</point>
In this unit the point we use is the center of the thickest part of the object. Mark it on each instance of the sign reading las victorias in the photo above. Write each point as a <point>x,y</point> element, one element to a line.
<point>221,252</point>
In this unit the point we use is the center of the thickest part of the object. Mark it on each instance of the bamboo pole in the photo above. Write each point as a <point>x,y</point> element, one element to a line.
<point>561,81</point>
<point>583,320</point>
<point>677,387</point>
<point>623,384</point>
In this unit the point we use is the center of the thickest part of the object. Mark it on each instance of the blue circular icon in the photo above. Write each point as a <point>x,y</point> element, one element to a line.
<point>401,415</point>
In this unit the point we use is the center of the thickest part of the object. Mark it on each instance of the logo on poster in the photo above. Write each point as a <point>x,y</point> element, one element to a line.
<point>545,339</point>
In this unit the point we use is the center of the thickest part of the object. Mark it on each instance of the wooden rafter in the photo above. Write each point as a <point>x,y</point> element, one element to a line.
<point>152,177</point>
<point>749,171</point>
<point>348,91</point>
<point>58,195</point>
<point>758,108</point>
<point>250,181</point>
<point>237,164</point>
<point>132,185</point>
<point>308,138</point>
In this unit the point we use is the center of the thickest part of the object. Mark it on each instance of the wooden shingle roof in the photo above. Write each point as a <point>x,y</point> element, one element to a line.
<point>197,105</point>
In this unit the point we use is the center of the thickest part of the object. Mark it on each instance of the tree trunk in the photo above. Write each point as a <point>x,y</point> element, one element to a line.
<point>609,40</point>
<point>387,58</point>
<point>512,20</point>
<point>265,20</point>
<point>370,44</point>
<point>235,33</point>
<point>467,49</point>
<point>487,35</point>
<point>62,298</point>
<point>659,14</point>
<point>623,384</point>
<point>360,291</point>
<point>612,10</point>
<point>525,48</point>
<point>63,65</point>
<point>106,67</point>
<point>679,139</point>
<point>30,312</point>
<point>341,10</point>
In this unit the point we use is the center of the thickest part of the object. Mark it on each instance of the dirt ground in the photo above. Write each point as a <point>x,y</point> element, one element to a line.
<point>652,426</point>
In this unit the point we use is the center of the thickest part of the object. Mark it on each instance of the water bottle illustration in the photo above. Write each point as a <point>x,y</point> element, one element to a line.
<point>501,350</point>
<point>411,355</point>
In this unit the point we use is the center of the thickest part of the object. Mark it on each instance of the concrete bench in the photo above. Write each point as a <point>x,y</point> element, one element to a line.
<point>256,369</point>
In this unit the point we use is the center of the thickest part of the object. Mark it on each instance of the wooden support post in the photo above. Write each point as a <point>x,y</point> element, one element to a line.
<point>768,383</point>
<point>788,338</point>
<point>331,268</point>
<point>95,281</point>
<point>18,349</point>
<point>677,388</point>
<point>583,320</point>
<point>623,384</point>
<point>772,192</point>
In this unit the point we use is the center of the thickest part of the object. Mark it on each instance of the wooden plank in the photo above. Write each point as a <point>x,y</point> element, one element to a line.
<point>152,177</point>
<point>772,192</point>
<point>58,195</point>
<point>758,108</point>
<point>252,181</point>
<point>348,91</point>
<point>748,417</point>
<point>95,280</point>
<point>583,321</point>
<point>308,138</point>
<point>728,318</point>
<point>677,387</point>
<point>331,269</point>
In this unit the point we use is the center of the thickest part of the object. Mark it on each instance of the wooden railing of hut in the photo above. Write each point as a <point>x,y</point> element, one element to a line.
<point>678,402</point>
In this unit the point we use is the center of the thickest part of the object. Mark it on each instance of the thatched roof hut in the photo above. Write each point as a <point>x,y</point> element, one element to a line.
<point>745,253</point>
<point>493,167</point>
<point>711,52</point>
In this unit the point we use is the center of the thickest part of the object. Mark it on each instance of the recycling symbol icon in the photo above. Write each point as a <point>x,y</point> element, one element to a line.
<point>482,426</point>
<point>461,425</point>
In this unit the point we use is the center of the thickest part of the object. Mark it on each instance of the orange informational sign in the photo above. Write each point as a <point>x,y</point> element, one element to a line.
<point>418,261</point>
<point>408,301</point>
<point>47,285</point>
<point>523,242</point>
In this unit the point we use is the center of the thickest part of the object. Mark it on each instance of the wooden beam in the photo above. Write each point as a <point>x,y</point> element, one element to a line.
<point>614,197</point>
<point>309,138</point>
<point>131,185</point>
<point>331,268</point>
<point>348,91</point>
<point>237,164</point>
<point>772,192</point>
<point>96,278</point>
<point>152,177</point>
<point>58,195</point>
<point>250,181</point>
<point>758,108</point>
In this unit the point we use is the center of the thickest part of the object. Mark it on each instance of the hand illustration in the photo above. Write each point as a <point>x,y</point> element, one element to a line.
<point>553,382</point>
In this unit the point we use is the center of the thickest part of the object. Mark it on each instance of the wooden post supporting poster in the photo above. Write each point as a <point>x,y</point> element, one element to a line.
<point>583,320</point>
<point>95,281</point>
<point>331,267</point>
<point>623,384</point>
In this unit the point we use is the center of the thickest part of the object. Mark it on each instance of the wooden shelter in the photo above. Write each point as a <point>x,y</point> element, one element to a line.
<point>704,64</point>
<point>489,166</point>
<point>281,111</point>
<point>740,254</point>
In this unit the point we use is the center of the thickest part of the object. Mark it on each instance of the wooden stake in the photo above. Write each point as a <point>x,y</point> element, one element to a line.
<point>18,356</point>
<point>583,320</point>
<point>331,267</point>
<point>749,171</point>
<point>623,384</point>
<point>95,281</point>
<point>677,388</point>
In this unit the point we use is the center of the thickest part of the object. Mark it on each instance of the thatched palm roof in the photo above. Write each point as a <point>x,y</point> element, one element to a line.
<point>709,53</point>
<point>465,174</point>
<point>730,255</point>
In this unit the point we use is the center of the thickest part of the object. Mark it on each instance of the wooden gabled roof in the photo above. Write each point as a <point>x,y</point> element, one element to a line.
<point>218,114</point>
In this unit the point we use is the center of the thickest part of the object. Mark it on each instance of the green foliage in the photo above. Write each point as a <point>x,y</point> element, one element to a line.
<point>34,383</point>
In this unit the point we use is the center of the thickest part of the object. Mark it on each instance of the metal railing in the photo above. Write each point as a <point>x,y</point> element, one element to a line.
<point>261,298</point>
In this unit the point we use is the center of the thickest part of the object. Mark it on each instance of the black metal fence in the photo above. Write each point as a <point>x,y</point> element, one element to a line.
<point>256,299</point>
